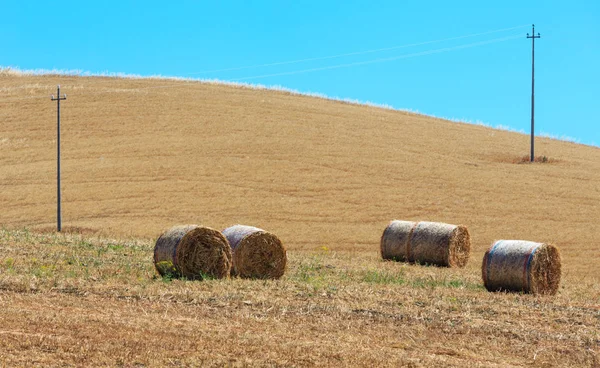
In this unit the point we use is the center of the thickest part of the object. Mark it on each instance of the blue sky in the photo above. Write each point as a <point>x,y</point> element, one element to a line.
<point>488,81</point>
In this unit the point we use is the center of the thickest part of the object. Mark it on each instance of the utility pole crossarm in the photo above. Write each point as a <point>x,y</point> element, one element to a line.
<point>533,37</point>
<point>58,98</point>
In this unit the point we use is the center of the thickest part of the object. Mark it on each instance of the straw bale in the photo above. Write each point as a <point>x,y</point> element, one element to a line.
<point>440,244</point>
<point>395,240</point>
<point>426,242</point>
<point>523,266</point>
<point>256,252</point>
<point>192,251</point>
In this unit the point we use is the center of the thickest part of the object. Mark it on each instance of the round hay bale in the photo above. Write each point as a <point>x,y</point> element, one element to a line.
<point>519,265</point>
<point>395,240</point>
<point>440,244</point>
<point>257,253</point>
<point>193,252</point>
<point>426,242</point>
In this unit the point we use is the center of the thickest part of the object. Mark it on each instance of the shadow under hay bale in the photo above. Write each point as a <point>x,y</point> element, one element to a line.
<point>193,252</point>
<point>256,253</point>
<point>426,242</point>
<point>523,266</point>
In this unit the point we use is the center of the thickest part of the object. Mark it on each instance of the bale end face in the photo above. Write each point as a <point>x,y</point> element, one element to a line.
<point>260,255</point>
<point>192,252</point>
<point>204,253</point>
<point>546,270</point>
<point>459,248</point>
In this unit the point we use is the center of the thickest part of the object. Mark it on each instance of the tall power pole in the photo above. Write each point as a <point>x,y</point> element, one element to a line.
<point>533,37</point>
<point>58,98</point>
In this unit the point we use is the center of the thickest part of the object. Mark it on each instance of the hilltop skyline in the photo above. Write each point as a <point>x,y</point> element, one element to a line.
<point>469,62</point>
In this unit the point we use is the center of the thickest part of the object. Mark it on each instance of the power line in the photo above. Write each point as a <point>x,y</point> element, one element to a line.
<point>533,37</point>
<point>381,60</point>
<point>58,98</point>
<point>357,52</point>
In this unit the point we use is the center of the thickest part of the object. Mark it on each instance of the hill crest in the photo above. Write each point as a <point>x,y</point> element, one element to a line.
<point>138,159</point>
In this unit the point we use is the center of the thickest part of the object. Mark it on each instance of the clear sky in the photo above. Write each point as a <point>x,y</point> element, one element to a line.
<point>483,78</point>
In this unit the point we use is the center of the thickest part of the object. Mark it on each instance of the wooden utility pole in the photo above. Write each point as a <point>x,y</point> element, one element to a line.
<point>58,98</point>
<point>533,37</point>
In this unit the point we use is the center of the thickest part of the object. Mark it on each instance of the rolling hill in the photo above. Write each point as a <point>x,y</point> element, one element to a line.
<point>141,155</point>
<point>326,176</point>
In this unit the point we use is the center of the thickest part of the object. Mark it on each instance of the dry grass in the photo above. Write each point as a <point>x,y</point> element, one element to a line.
<point>319,174</point>
<point>83,301</point>
<point>536,159</point>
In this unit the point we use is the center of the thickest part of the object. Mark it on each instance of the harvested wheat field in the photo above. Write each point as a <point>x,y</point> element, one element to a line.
<point>140,155</point>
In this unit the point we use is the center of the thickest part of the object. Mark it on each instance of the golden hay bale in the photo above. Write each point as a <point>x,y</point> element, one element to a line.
<point>256,252</point>
<point>426,242</point>
<point>519,265</point>
<point>440,244</point>
<point>395,240</point>
<point>193,252</point>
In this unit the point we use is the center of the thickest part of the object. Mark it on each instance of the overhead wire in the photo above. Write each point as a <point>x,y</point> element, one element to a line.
<point>358,52</point>
<point>308,70</point>
<point>381,60</point>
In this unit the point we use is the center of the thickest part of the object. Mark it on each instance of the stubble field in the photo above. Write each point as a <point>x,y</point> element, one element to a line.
<point>325,176</point>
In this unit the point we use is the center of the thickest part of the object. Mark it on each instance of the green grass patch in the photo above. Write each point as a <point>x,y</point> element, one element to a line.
<point>383,277</point>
